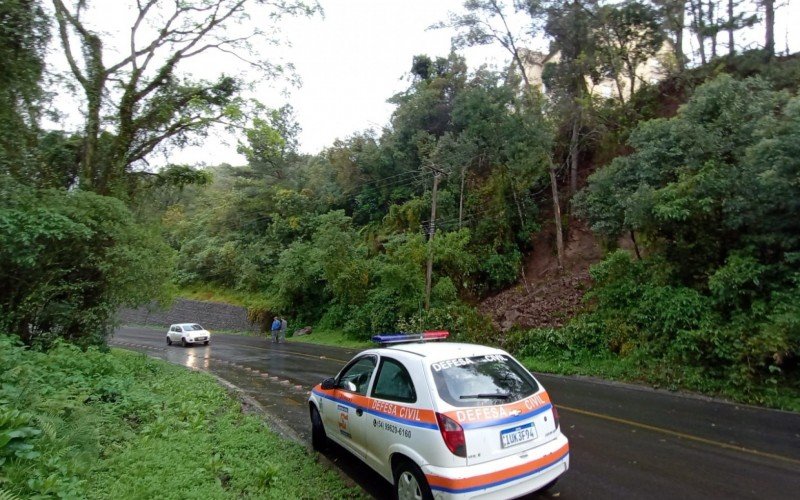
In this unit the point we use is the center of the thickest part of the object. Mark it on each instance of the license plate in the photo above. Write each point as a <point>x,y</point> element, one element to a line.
<point>517,435</point>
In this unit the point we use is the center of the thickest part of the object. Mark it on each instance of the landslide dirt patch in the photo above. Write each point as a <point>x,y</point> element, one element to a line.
<point>545,296</point>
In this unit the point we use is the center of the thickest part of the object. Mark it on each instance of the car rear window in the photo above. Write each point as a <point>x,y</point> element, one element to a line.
<point>482,380</point>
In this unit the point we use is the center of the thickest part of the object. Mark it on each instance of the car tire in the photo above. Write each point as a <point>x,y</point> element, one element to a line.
<point>169,340</point>
<point>410,482</point>
<point>183,342</point>
<point>319,440</point>
<point>205,343</point>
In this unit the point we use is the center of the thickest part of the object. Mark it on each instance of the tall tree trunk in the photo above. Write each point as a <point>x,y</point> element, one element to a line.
<point>769,27</point>
<point>632,77</point>
<point>429,264</point>
<point>574,152</point>
<point>557,217</point>
<point>699,25</point>
<point>635,245</point>
<point>731,46</point>
<point>713,36</point>
<point>89,176</point>
<point>556,206</point>
<point>680,17</point>
<point>519,207</point>
<point>461,197</point>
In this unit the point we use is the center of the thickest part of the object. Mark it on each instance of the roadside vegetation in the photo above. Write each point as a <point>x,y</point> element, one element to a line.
<point>93,424</point>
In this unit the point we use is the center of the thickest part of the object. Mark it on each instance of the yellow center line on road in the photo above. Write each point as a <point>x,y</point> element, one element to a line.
<point>681,435</point>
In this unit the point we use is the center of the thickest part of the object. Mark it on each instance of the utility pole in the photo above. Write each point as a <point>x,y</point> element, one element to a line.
<point>431,233</point>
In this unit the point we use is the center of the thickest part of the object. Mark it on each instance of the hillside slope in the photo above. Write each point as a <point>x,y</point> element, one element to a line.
<point>544,296</point>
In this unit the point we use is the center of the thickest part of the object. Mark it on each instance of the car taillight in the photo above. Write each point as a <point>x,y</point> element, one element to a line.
<point>555,415</point>
<point>453,435</point>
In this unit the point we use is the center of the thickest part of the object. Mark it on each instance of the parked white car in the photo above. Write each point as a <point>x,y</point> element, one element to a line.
<point>188,333</point>
<point>443,420</point>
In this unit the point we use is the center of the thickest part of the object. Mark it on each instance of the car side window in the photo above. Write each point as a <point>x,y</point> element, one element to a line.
<point>355,378</point>
<point>394,383</point>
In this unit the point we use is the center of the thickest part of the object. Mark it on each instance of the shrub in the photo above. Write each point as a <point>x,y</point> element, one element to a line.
<point>68,260</point>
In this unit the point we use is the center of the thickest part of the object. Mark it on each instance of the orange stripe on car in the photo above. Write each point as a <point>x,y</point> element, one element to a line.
<point>458,485</point>
<point>380,407</point>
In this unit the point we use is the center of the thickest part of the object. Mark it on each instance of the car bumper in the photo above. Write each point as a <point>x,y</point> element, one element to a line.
<point>508,477</point>
<point>198,340</point>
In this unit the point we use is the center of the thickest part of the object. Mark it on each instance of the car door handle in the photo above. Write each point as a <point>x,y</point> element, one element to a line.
<point>359,411</point>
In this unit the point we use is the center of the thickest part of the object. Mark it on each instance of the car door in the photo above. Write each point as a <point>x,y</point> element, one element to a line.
<point>394,411</point>
<point>348,421</point>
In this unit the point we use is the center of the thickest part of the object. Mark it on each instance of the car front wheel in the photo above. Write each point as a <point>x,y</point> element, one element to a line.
<point>410,482</point>
<point>183,342</point>
<point>319,440</point>
<point>169,340</point>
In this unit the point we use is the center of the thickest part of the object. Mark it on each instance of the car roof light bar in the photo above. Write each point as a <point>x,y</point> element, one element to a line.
<point>400,338</point>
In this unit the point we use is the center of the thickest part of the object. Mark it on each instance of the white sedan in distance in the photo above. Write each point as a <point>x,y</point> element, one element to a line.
<point>188,333</point>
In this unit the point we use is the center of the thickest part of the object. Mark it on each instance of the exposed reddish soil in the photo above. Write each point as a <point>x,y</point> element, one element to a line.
<point>545,296</point>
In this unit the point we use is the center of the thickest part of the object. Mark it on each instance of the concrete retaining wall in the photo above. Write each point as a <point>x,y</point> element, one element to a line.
<point>211,315</point>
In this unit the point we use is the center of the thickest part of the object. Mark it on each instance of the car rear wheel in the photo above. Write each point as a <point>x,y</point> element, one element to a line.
<point>183,342</point>
<point>319,440</point>
<point>169,340</point>
<point>410,482</point>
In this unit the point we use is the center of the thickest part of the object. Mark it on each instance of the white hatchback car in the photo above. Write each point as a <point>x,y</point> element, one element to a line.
<point>188,333</point>
<point>442,420</point>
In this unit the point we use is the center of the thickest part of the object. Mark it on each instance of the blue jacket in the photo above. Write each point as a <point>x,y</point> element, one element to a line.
<point>276,325</point>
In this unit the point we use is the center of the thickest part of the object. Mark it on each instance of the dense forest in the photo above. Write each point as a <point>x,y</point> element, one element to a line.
<point>688,174</point>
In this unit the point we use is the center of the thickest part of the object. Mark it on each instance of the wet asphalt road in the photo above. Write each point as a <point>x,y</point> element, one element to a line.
<point>625,441</point>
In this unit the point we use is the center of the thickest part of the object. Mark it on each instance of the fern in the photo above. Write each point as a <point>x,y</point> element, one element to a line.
<point>47,427</point>
<point>7,495</point>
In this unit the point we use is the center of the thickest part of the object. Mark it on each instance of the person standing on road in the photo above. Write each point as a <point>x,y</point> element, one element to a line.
<point>276,326</point>
<point>282,337</point>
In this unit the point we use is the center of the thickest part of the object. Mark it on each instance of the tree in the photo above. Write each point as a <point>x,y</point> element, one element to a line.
<point>629,34</point>
<point>713,192</point>
<point>147,101</point>
<point>673,12</point>
<point>69,260</point>
<point>569,24</point>
<point>769,26</point>
<point>271,145</point>
<point>486,22</point>
<point>23,38</point>
<point>735,21</point>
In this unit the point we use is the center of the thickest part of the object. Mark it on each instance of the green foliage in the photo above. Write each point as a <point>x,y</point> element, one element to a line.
<point>712,194</point>
<point>24,33</point>
<point>627,34</point>
<point>69,260</point>
<point>120,425</point>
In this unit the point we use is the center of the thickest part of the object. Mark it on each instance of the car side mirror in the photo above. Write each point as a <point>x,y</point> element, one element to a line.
<point>328,384</point>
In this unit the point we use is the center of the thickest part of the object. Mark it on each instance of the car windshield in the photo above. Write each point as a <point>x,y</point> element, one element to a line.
<point>192,328</point>
<point>482,380</point>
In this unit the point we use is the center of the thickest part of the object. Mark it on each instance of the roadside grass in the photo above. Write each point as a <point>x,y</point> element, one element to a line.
<point>332,338</point>
<point>118,424</point>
